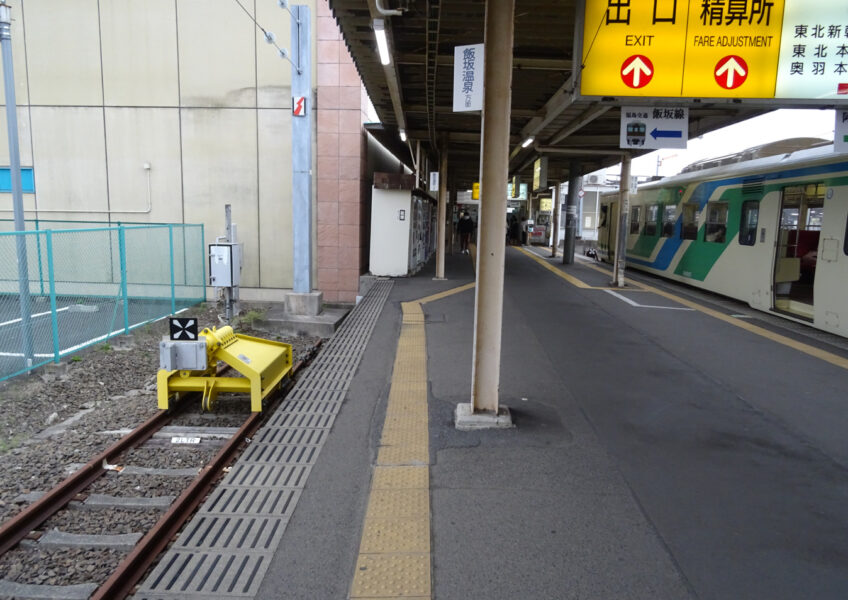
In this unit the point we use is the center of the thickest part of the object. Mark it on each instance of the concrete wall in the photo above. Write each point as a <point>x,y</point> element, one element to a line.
<point>191,89</point>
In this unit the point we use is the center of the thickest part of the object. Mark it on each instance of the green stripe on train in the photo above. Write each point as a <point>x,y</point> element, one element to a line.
<point>700,256</point>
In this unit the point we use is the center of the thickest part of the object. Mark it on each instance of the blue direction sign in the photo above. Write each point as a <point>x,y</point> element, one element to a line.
<point>666,133</point>
<point>654,127</point>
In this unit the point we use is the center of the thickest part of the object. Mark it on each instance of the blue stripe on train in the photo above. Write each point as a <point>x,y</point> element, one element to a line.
<point>704,192</point>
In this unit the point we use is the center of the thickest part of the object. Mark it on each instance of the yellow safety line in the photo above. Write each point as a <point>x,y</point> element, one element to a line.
<point>394,553</point>
<point>447,293</point>
<point>569,278</point>
<point>824,355</point>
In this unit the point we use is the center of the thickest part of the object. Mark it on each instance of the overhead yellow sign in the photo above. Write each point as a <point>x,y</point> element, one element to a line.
<point>716,49</point>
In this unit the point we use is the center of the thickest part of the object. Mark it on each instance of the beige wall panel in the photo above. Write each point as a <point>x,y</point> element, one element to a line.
<point>139,53</point>
<point>63,43</point>
<point>69,159</point>
<point>135,136</point>
<point>217,53</point>
<point>18,55</point>
<point>275,190</point>
<point>219,167</point>
<point>273,72</point>
<point>23,138</point>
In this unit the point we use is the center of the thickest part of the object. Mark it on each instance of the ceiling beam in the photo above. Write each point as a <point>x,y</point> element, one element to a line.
<point>518,62</point>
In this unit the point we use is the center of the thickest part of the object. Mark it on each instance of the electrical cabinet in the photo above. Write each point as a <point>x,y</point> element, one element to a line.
<point>224,265</point>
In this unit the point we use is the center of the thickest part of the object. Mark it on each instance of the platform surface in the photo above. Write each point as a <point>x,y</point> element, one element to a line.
<point>659,451</point>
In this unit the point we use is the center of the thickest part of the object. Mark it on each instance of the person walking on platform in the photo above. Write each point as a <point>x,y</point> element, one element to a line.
<point>465,228</point>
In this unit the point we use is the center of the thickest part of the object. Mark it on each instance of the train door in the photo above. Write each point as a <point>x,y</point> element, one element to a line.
<point>801,214</point>
<point>832,272</point>
<point>607,228</point>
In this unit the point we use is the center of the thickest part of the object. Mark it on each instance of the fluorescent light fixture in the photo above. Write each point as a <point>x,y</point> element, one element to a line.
<point>402,135</point>
<point>527,142</point>
<point>382,45</point>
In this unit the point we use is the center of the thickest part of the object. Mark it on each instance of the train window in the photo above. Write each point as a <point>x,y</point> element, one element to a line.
<point>669,217</point>
<point>716,225</point>
<point>748,223</point>
<point>635,218</point>
<point>651,219</point>
<point>689,226</point>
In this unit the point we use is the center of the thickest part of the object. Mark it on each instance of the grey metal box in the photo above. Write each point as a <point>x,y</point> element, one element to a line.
<point>224,265</point>
<point>182,356</point>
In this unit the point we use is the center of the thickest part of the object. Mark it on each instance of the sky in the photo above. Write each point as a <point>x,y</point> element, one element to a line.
<point>778,125</point>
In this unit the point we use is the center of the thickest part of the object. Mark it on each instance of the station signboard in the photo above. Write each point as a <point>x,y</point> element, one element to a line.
<point>654,127</point>
<point>758,49</point>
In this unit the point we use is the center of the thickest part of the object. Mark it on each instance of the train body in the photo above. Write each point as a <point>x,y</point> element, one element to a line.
<point>771,231</point>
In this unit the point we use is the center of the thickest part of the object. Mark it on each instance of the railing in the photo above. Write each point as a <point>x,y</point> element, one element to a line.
<point>86,285</point>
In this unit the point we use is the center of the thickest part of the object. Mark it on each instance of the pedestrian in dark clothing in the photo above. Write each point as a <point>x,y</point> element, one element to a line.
<point>465,228</point>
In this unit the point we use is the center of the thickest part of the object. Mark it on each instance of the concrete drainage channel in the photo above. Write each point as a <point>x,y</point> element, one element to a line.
<point>226,549</point>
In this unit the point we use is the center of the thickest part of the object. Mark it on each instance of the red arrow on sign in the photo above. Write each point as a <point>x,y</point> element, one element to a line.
<point>731,72</point>
<point>298,108</point>
<point>637,71</point>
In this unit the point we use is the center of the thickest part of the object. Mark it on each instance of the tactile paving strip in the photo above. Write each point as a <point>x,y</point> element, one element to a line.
<point>226,549</point>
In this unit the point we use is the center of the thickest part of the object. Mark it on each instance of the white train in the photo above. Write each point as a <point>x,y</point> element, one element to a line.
<point>768,226</point>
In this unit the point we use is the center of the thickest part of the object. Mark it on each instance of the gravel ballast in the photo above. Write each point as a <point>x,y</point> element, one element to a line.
<point>57,418</point>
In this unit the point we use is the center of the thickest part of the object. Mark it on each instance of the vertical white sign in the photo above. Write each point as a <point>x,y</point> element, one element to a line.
<point>468,78</point>
<point>434,181</point>
<point>840,132</point>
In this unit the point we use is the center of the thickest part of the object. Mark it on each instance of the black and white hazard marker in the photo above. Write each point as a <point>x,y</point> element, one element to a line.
<point>183,328</point>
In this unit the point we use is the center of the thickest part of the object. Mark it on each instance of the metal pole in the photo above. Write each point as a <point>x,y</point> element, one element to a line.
<point>301,85</point>
<point>173,287</point>
<point>488,299</point>
<point>54,315</point>
<point>443,201</point>
<point>571,214</point>
<point>555,220</point>
<point>228,291</point>
<point>15,174</point>
<point>621,230</point>
<point>122,251</point>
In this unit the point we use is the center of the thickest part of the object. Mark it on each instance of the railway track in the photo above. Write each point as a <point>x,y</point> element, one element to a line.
<point>141,490</point>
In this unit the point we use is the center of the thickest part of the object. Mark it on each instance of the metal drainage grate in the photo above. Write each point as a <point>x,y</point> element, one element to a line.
<point>226,549</point>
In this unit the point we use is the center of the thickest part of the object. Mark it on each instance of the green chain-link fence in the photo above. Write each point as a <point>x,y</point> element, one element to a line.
<point>85,285</point>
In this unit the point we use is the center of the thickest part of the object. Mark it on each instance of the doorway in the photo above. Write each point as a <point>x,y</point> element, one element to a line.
<point>801,213</point>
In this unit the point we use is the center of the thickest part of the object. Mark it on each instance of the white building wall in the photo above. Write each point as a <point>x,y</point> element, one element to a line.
<point>190,88</point>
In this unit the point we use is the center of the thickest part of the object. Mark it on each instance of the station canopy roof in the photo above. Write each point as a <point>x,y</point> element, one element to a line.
<point>415,92</point>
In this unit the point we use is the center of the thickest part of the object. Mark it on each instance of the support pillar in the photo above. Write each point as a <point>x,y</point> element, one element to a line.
<point>621,230</point>
<point>17,194</point>
<point>571,214</point>
<point>483,410</point>
<point>441,242</point>
<point>555,220</point>
<point>302,300</point>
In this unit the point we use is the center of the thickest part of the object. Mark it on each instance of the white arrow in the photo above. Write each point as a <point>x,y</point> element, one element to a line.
<point>638,68</point>
<point>731,68</point>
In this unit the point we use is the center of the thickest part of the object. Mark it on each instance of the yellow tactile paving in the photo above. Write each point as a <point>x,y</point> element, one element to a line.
<point>401,477</point>
<point>398,504</point>
<point>403,455</point>
<point>404,436</point>
<point>394,554</point>
<point>401,536</point>
<point>392,576</point>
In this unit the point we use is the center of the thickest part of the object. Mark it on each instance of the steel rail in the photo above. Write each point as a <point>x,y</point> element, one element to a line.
<point>19,526</point>
<point>122,581</point>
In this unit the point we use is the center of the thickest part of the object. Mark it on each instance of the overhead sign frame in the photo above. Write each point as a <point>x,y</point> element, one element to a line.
<point>675,50</point>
